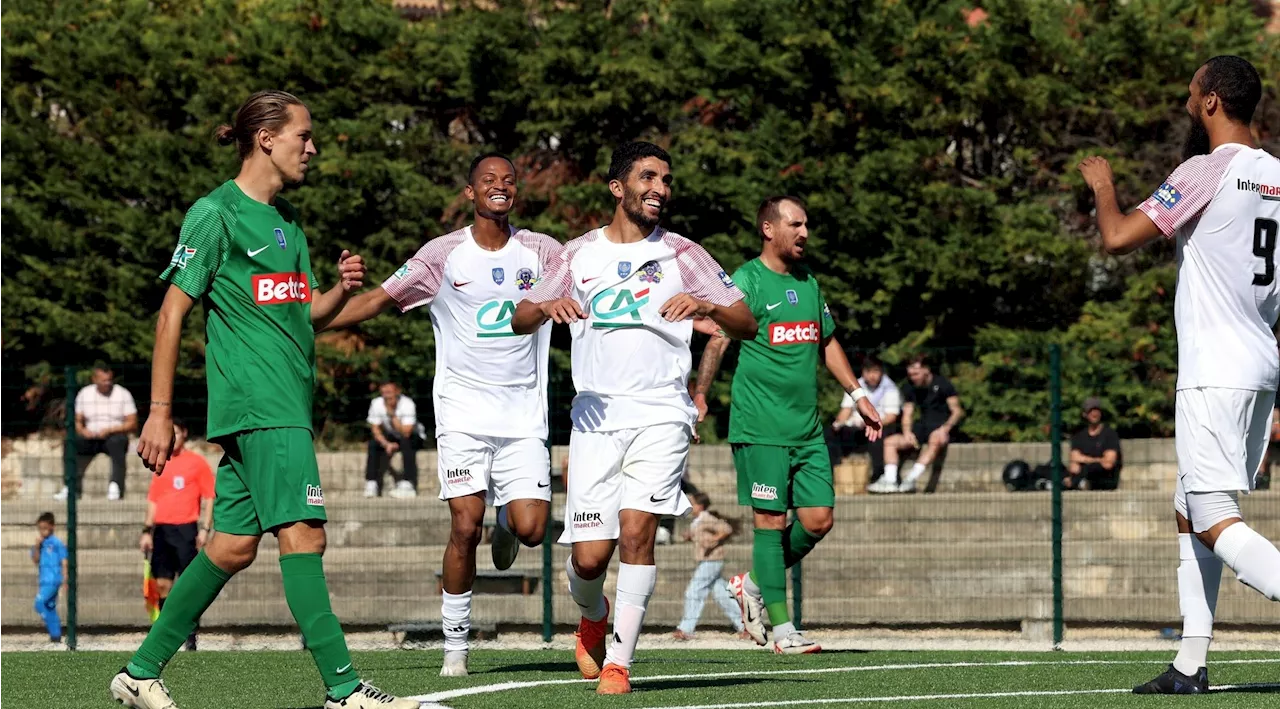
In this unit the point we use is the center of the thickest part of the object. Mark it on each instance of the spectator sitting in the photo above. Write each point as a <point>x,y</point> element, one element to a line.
<point>393,419</point>
<point>930,411</point>
<point>105,416</point>
<point>1095,453</point>
<point>848,431</point>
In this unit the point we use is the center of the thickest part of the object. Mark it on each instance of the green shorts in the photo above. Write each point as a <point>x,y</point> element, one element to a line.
<point>268,477</point>
<point>780,478</point>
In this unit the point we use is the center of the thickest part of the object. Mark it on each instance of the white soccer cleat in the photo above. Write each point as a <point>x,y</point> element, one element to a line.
<point>455,664</point>
<point>371,488</point>
<point>504,546</point>
<point>368,696</point>
<point>113,492</point>
<point>752,609</point>
<point>907,486</point>
<point>403,491</point>
<point>141,693</point>
<point>883,486</point>
<point>61,495</point>
<point>795,644</point>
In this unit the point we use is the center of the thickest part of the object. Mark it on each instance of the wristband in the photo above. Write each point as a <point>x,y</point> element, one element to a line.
<point>858,394</point>
<point>147,530</point>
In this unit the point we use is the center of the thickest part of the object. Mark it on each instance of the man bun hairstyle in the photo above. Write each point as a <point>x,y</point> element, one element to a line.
<point>1236,83</point>
<point>265,109</point>
<point>628,154</point>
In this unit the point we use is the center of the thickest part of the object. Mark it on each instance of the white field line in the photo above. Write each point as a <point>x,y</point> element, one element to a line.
<point>506,686</point>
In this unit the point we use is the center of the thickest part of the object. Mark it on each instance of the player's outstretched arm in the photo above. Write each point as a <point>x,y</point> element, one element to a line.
<point>1121,233</point>
<point>365,306</point>
<point>156,441</point>
<point>326,306</point>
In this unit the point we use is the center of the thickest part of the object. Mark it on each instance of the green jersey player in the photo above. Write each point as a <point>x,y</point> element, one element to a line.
<point>242,250</point>
<point>778,447</point>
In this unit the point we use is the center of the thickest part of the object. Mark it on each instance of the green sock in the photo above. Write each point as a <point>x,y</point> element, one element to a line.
<point>192,594</point>
<point>308,596</point>
<point>797,543</point>
<point>769,573</point>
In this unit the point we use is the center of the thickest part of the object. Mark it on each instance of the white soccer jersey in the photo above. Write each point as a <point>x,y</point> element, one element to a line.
<point>1224,208</point>
<point>631,366</point>
<point>489,381</point>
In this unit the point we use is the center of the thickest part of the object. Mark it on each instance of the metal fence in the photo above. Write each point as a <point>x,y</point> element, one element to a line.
<point>965,551</point>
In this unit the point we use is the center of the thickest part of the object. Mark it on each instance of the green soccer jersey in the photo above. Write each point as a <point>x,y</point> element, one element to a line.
<point>775,390</point>
<point>249,262</point>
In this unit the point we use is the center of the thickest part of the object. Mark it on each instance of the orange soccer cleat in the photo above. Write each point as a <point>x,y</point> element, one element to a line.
<point>614,680</point>
<point>590,646</point>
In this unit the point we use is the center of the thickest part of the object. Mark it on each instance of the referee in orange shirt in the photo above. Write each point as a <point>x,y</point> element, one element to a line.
<point>179,515</point>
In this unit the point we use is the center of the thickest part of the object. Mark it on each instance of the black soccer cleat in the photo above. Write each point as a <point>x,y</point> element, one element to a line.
<point>1174,682</point>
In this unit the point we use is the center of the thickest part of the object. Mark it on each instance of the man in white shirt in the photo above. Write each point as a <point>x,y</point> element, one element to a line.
<point>105,416</point>
<point>1223,207</point>
<point>848,431</point>
<point>393,421</point>
<point>629,292</point>
<point>490,390</point>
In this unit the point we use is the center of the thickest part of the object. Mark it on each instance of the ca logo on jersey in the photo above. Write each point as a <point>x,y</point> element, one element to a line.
<point>618,307</point>
<point>181,255</point>
<point>493,319</point>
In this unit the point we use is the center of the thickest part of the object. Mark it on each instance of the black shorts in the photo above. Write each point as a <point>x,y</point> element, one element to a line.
<point>923,431</point>
<point>174,548</point>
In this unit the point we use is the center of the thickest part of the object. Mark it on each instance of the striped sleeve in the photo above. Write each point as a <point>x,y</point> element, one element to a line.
<point>1186,192</point>
<point>203,244</point>
<point>557,272</point>
<point>702,275</point>
<point>418,280</point>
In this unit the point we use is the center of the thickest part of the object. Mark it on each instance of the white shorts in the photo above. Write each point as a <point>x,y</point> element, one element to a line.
<point>1221,436</point>
<point>1205,509</point>
<point>631,469</point>
<point>505,469</point>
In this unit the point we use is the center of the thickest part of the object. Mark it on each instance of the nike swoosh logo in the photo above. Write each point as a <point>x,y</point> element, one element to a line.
<point>459,285</point>
<point>344,669</point>
<point>544,484</point>
<point>585,281</point>
<point>654,499</point>
<point>255,252</point>
<point>773,305</point>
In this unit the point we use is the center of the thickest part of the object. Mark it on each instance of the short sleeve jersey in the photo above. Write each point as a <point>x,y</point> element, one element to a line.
<point>775,389</point>
<point>249,262</point>
<point>489,381</point>
<point>929,402</point>
<point>1224,210</point>
<point>630,365</point>
<point>1094,446</point>
<point>187,479</point>
<point>52,553</point>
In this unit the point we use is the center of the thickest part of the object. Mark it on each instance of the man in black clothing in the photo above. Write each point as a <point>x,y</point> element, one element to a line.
<point>930,411</point>
<point>1095,453</point>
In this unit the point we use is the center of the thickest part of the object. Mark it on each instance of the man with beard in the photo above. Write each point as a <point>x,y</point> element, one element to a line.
<point>629,292</point>
<point>778,447</point>
<point>490,390</point>
<point>1223,206</point>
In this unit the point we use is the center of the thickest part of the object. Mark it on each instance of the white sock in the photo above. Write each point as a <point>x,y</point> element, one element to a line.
<point>749,585</point>
<point>782,630</point>
<point>455,614</point>
<point>502,519</point>
<point>635,586</point>
<point>916,471</point>
<point>1199,575</point>
<point>589,595</point>
<point>1255,560</point>
<point>891,472</point>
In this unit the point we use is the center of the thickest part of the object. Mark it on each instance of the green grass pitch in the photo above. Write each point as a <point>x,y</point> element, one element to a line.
<point>661,678</point>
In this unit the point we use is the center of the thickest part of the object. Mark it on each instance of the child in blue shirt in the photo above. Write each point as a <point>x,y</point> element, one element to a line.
<point>50,556</point>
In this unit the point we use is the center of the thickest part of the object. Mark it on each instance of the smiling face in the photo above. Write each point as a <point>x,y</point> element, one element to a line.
<point>492,188</point>
<point>291,148</point>
<point>644,192</point>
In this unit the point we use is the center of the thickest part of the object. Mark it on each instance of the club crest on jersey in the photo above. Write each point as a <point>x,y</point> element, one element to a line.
<point>624,269</point>
<point>280,238</point>
<point>1167,196</point>
<point>651,272</point>
<point>792,298</point>
<point>525,279</point>
<point>181,255</point>
<point>726,280</point>
<point>499,276</point>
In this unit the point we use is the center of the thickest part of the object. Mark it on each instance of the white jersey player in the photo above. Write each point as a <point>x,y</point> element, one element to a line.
<point>1223,207</point>
<point>490,390</point>
<point>629,292</point>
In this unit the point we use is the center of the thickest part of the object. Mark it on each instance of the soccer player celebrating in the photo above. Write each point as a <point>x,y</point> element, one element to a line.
<point>242,250</point>
<point>778,446</point>
<point>490,387</point>
<point>1223,206</point>
<point>629,292</point>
